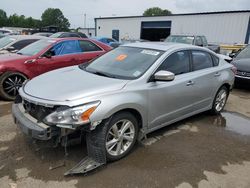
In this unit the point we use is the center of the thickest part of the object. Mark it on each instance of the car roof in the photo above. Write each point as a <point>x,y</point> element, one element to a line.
<point>187,35</point>
<point>22,37</point>
<point>65,39</point>
<point>43,33</point>
<point>163,46</point>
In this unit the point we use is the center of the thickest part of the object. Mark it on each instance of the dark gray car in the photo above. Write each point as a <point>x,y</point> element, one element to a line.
<point>242,62</point>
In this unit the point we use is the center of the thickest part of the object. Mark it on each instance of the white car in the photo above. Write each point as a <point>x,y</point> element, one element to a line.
<point>14,43</point>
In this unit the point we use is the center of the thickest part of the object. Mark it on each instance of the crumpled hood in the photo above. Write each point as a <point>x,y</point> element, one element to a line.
<point>69,84</point>
<point>242,64</point>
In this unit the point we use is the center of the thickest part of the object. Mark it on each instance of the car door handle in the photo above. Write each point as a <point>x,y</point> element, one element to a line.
<point>217,74</point>
<point>190,83</point>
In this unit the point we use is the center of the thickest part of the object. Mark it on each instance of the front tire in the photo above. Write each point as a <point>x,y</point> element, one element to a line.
<point>10,82</point>
<point>117,136</point>
<point>220,100</point>
<point>121,136</point>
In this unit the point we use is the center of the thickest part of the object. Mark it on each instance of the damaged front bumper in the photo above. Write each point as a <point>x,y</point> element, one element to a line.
<point>30,126</point>
<point>38,130</point>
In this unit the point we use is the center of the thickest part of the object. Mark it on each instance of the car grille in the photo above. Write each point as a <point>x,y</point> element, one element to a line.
<point>37,111</point>
<point>243,73</point>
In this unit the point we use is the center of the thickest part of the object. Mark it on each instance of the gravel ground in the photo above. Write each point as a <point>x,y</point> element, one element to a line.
<point>201,151</point>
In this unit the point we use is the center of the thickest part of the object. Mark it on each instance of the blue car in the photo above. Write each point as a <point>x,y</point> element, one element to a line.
<point>109,41</point>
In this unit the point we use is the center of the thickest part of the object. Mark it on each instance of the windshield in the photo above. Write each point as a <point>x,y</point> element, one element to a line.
<point>56,35</point>
<point>124,62</point>
<point>180,39</point>
<point>5,41</point>
<point>35,47</point>
<point>245,53</point>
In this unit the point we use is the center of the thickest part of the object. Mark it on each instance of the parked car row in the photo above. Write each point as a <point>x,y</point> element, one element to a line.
<point>43,56</point>
<point>13,43</point>
<point>197,40</point>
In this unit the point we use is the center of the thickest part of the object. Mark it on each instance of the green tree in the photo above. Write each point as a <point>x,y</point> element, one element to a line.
<point>32,23</point>
<point>55,17</point>
<point>13,20</point>
<point>3,18</point>
<point>156,11</point>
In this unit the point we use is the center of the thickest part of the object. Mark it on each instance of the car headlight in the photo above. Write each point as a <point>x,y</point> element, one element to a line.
<point>72,117</point>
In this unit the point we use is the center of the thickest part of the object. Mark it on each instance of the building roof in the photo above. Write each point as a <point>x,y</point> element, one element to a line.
<point>186,14</point>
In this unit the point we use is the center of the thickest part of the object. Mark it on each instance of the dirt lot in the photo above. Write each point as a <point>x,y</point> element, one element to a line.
<point>202,151</point>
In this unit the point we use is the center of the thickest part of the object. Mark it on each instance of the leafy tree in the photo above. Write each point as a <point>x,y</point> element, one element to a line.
<point>3,18</point>
<point>55,17</point>
<point>32,23</point>
<point>14,21</point>
<point>21,21</point>
<point>156,11</point>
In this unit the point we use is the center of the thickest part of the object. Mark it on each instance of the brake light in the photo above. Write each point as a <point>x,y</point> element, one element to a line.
<point>234,70</point>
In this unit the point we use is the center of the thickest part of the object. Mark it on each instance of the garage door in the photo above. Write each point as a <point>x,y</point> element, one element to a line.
<point>156,30</point>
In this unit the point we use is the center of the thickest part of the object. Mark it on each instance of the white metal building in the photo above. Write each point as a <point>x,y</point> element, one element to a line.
<point>87,31</point>
<point>227,27</point>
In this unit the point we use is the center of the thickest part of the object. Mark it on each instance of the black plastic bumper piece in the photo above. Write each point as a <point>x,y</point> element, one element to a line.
<point>86,165</point>
<point>96,153</point>
<point>29,126</point>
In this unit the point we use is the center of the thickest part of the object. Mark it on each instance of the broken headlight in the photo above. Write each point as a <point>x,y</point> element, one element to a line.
<point>72,117</point>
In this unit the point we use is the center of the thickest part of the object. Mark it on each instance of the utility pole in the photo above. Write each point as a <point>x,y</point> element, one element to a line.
<point>85,15</point>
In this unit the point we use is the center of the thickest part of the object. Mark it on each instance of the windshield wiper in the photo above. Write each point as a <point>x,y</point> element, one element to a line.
<point>19,53</point>
<point>103,74</point>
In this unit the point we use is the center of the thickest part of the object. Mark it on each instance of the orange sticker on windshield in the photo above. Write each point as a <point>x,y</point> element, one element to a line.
<point>121,57</point>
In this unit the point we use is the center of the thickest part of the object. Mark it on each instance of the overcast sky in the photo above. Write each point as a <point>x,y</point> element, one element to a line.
<point>74,9</point>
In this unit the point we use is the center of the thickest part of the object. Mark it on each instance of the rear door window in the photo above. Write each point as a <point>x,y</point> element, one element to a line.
<point>204,40</point>
<point>21,44</point>
<point>198,41</point>
<point>64,35</point>
<point>177,63</point>
<point>110,40</point>
<point>216,60</point>
<point>88,46</point>
<point>201,60</point>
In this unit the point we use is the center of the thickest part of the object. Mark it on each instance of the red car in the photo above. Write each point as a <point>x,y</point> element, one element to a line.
<point>43,56</point>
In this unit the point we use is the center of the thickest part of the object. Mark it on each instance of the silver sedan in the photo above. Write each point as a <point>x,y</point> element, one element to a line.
<point>124,95</point>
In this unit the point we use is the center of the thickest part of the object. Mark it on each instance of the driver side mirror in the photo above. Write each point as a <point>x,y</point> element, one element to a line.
<point>232,55</point>
<point>164,76</point>
<point>49,54</point>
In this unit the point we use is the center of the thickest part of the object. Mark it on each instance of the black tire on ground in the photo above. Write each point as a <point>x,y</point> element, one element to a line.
<point>101,133</point>
<point>5,82</point>
<point>218,105</point>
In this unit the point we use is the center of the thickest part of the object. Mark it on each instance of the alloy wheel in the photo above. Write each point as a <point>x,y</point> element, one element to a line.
<point>221,100</point>
<point>12,83</point>
<point>120,137</point>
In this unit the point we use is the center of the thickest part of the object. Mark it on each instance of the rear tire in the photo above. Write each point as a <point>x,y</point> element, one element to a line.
<point>220,100</point>
<point>10,82</point>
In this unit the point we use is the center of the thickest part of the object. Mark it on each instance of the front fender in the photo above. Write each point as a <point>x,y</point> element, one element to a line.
<point>115,103</point>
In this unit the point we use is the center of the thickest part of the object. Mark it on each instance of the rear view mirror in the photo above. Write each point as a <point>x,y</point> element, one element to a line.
<point>164,76</point>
